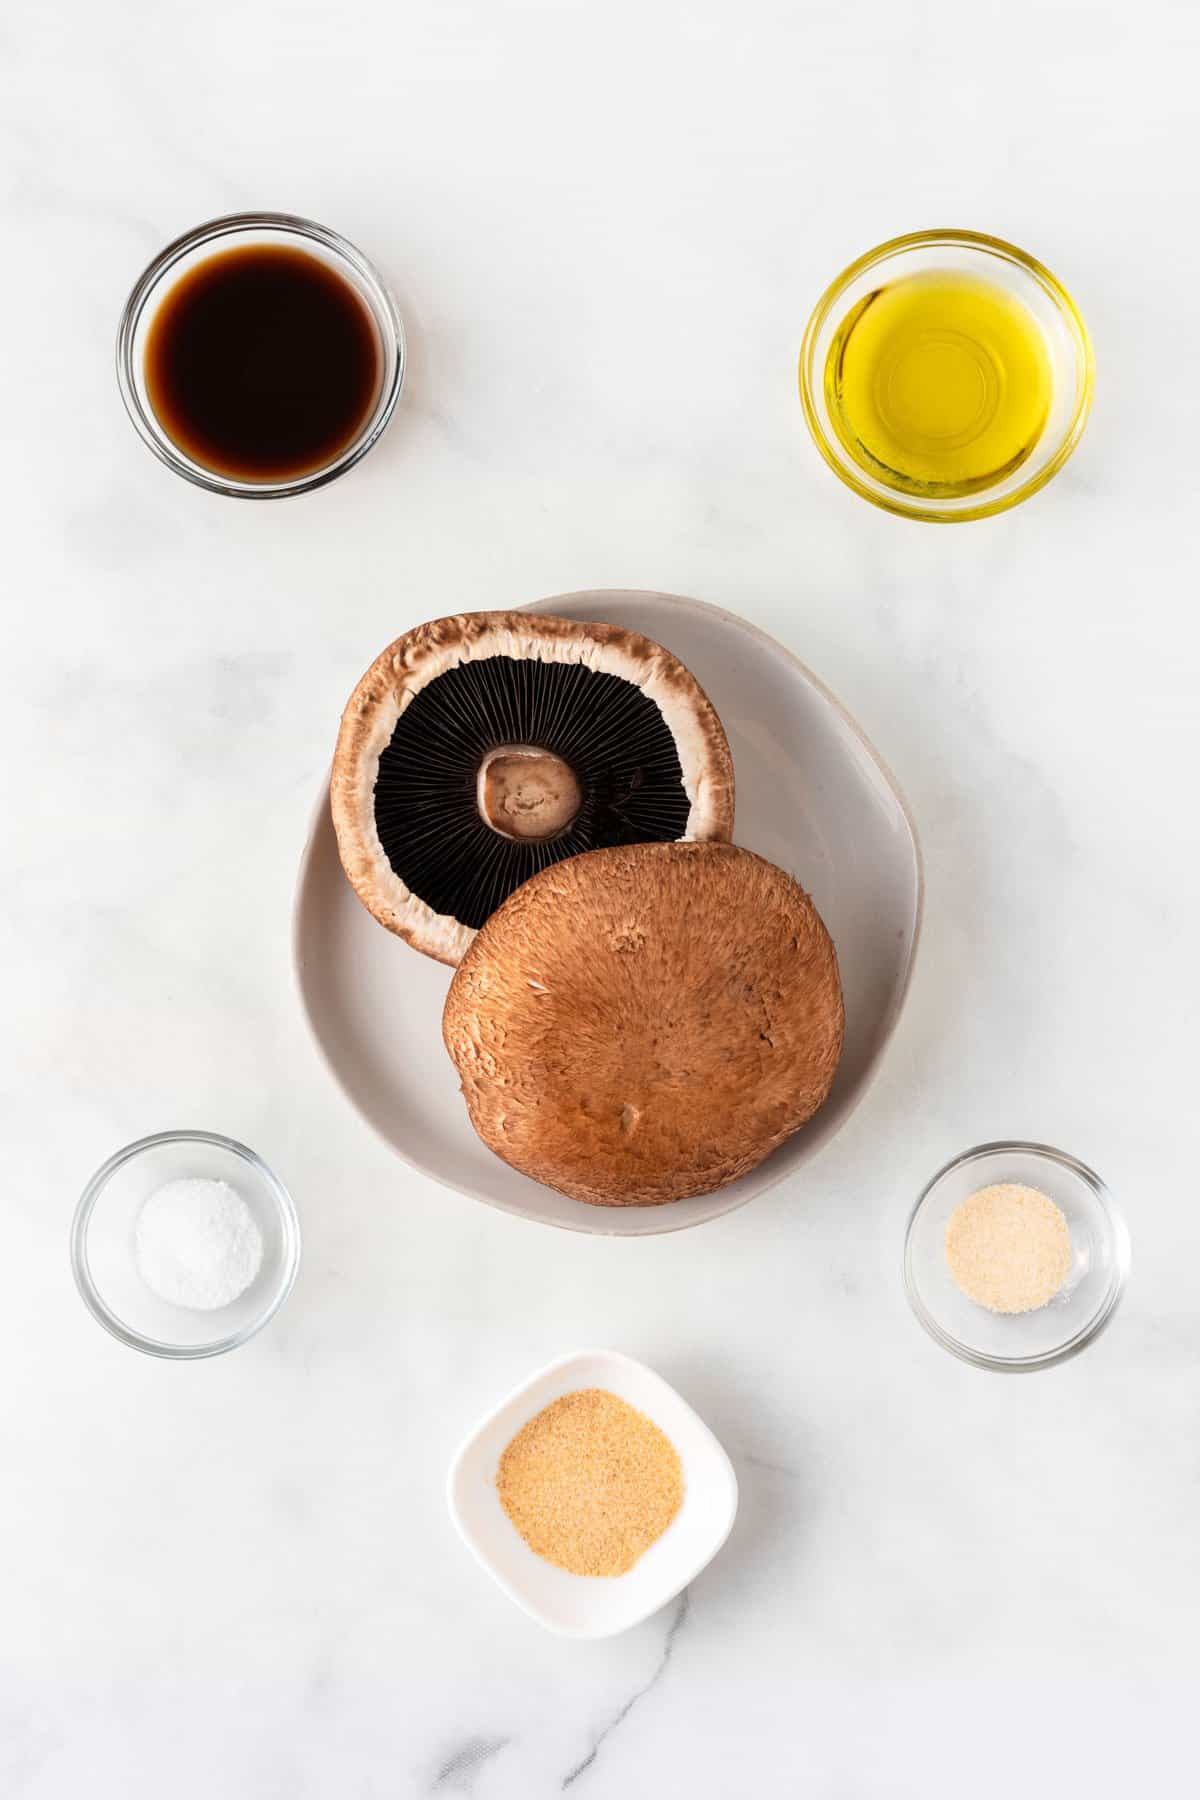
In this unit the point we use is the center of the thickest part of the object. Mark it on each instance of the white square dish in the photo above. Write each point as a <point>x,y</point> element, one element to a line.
<point>589,1606</point>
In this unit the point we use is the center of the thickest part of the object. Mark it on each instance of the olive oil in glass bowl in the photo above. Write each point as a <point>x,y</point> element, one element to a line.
<point>946,376</point>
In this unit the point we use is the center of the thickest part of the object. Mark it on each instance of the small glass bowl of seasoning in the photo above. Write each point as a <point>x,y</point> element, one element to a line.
<point>1015,1256</point>
<point>260,355</point>
<point>946,375</point>
<point>185,1244</point>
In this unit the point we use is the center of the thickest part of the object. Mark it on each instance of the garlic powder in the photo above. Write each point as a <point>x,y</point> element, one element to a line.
<point>1009,1248</point>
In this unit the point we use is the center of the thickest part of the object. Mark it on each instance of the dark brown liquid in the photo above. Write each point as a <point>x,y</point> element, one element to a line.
<point>262,364</point>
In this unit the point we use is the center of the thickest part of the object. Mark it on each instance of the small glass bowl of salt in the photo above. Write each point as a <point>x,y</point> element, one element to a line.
<point>185,1244</point>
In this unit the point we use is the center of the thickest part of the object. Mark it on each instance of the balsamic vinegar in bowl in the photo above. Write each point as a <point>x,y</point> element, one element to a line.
<point>262,363</point>
<point>260,355</point>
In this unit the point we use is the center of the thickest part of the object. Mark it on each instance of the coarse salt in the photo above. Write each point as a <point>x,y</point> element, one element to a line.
<point>196,1244</point>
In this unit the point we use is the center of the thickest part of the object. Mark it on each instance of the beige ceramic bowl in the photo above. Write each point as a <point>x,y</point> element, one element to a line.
<point>812,796</point>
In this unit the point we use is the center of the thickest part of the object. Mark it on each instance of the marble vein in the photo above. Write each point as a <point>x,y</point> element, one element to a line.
<point>462,1768</point>
<point>785,1470</point>
<point>619,1718</point>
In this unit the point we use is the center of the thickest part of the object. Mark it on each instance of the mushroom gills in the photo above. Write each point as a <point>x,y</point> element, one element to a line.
<point>448,793</point>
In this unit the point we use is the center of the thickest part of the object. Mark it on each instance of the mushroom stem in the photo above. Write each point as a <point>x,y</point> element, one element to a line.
<point>525,793</point>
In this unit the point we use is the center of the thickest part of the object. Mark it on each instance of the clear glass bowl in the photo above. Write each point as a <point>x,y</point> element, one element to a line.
<point>968,252</point>
<point>236,231</point>
<point>102,1244</point>
<point>1081,1308</point>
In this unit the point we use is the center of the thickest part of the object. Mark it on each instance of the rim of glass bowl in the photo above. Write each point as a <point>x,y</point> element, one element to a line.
<point>387,319</point>
<point>1018,1365</point>
<point>811,382</point>
<point>155,1346</point>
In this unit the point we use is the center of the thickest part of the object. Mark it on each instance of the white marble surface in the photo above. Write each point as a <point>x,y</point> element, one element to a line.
<point>605,226</point>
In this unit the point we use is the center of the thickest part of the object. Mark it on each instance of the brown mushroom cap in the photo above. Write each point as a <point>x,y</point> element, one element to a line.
<point>644,1023</point>
<point>530,793</point>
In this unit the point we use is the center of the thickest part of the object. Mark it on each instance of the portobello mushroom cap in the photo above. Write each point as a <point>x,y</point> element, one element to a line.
<point>646,1023</point>
<point>480,749</point>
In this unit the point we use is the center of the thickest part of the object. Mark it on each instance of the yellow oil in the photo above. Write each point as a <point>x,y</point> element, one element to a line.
<point>939,383</point>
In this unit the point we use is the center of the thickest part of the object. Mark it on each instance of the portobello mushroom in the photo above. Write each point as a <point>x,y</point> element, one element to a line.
<point>481,749</point>
<point>646,1022</point>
